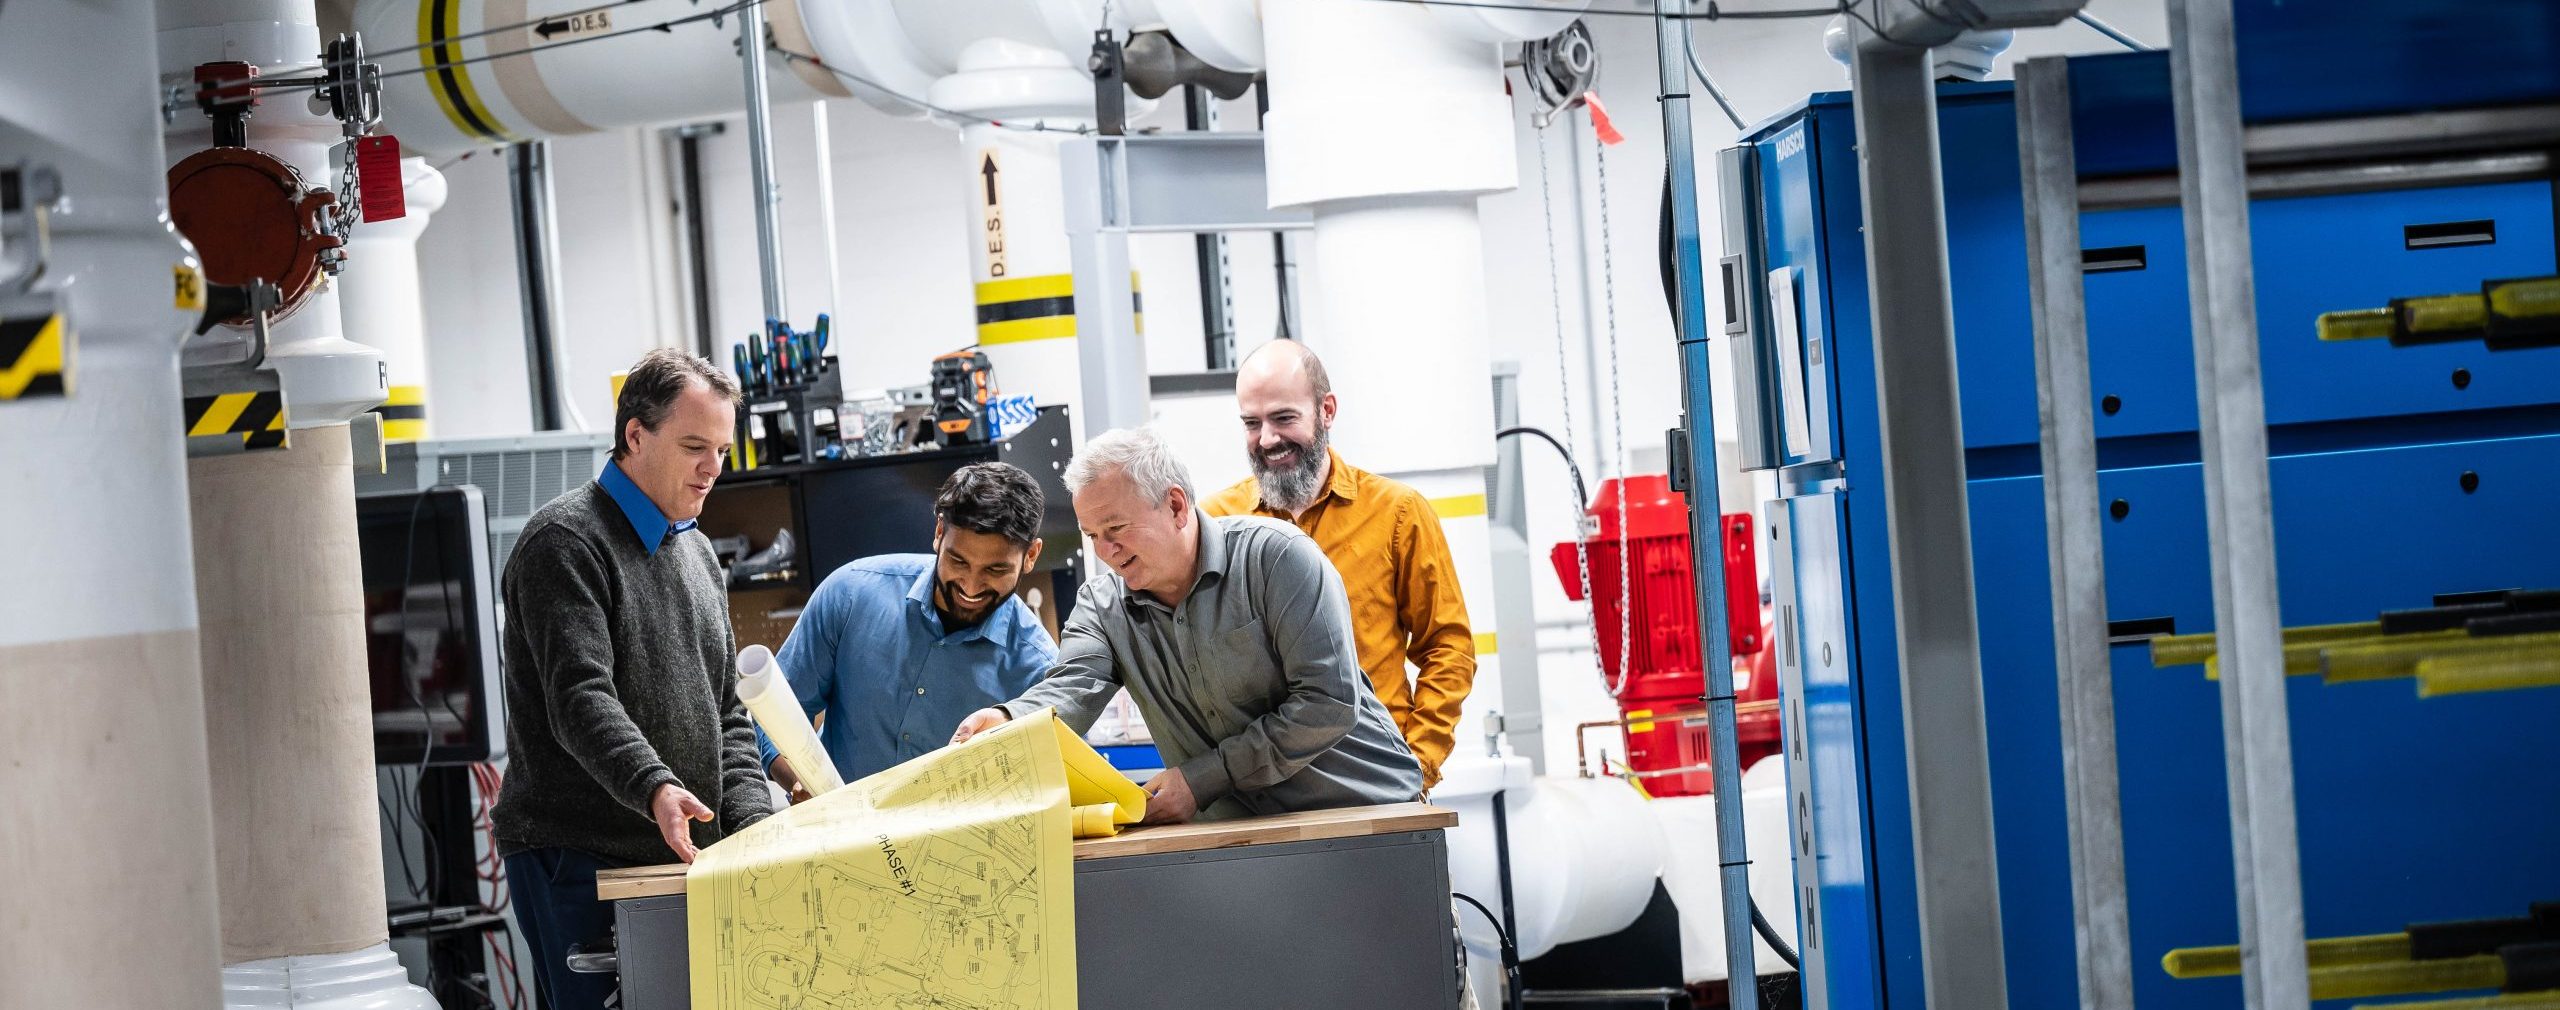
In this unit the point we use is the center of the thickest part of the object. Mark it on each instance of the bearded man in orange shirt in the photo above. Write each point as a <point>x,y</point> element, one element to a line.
<point>1381,535</point>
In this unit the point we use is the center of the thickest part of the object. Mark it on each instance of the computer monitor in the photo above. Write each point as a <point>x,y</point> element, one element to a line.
<point>431,627</point>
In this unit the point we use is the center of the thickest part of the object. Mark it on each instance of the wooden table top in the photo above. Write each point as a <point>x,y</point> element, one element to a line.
<point>1311,825</point>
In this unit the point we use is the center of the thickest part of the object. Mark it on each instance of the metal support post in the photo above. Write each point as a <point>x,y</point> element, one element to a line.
<point>1217,304</point>
<point>1116,186</point>
<point>760,159</point>
<point>2074,545</point>
<point>1706,523</point>
<point>537,273</point>
<point>2222,304</point>
<point>1284,289</point>
<point>1944,735</point>
<point>823,138</point>
<point>1108,349</point>
<point>696,237</point>
<point>1515,613</point>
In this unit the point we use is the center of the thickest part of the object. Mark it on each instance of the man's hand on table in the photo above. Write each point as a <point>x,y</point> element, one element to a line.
<point>978,722</point>
<point>673,807</point>
<point>1169,799</point>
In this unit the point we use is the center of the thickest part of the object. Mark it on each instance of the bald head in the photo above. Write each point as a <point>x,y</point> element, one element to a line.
<point>1286,368</point>
<point>1286,403</point>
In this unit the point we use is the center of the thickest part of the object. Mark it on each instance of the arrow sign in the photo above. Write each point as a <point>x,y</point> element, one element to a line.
<point>992,209</point>
<point>578,24</point>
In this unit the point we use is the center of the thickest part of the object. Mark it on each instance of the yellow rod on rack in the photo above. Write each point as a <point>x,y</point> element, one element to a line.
<point>2188,650</point>
<point>2442,314</point>
<point>2400,655</point>
<point>2329,952</point>
<point>2355,324</point>
<point>2502,670</point>
<point>2397,978</point>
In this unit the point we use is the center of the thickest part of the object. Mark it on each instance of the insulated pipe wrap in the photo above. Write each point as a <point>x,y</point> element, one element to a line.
<point>280,593</point>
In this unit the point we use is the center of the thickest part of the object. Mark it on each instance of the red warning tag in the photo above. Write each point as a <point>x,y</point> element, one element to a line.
<point>1600,120</point>
<point>378,188</point>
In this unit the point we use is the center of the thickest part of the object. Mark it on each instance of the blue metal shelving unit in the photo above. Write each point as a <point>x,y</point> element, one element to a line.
<point>2402,812</point>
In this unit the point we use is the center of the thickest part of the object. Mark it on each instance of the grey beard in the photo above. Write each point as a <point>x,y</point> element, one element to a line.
<point>1292,489</point>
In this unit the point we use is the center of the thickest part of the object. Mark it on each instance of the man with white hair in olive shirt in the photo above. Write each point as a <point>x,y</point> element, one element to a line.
<point>1232,635</point>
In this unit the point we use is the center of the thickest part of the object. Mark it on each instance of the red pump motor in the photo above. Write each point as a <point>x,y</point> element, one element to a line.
<point>1661,702</point>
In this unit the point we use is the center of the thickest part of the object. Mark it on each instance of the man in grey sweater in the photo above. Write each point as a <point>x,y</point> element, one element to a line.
<point>1233,637</point>
<point>626,742</point>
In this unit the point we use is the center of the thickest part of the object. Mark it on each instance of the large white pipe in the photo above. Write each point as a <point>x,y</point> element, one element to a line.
<point>280,592</point>
<point>550,76</point>
<point>1585,854</point>
<point>1387,123</point>
<point>1018,61</point>
<point>1020,253</point>
<point>109,893</point>
<point>384,306</point>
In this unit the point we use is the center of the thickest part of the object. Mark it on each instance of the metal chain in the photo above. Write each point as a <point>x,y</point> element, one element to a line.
<point>1564,394</point>
<point>349,209</point>
<point>1617,418</point>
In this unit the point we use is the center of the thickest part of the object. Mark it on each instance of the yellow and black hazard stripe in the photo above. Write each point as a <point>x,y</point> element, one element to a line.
<point>1013,310</point>
<point>241,420</point>
<point>404,414</point>
<point>34,356</point>
<point>440,56</point>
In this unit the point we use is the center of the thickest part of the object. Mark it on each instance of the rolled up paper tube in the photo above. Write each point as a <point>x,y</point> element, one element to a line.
<point>768,697</point>
<point>1096,820</point>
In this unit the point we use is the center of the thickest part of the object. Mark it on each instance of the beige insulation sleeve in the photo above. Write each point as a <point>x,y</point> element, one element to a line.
<point>108,896</point>
<point>288,710</point>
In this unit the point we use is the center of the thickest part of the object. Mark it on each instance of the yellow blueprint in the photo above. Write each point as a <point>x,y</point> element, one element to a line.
<point>947,881</point>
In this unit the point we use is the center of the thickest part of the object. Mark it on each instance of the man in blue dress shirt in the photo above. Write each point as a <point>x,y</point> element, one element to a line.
<point>895,650</point>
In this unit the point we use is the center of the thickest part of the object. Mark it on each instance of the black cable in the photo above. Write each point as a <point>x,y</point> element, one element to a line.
<point>426,718</point>
<point>1581,494</point>
<point>325,67</point>
<point>399,844</point>
<point>668,25</point>
<point>1510,951</point>
<point>1760,924</point>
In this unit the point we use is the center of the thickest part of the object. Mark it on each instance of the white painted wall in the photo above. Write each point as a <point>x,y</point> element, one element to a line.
<point>903,219</point>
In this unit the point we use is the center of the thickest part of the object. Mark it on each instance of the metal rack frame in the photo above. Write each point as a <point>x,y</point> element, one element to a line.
<point>1118,186</point>
<point>2221,164</point>
<point>2073,538</point>
<point>2213,184</point>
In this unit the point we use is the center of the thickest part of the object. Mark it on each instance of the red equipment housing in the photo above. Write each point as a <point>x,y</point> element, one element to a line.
<point>1662,705</point>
